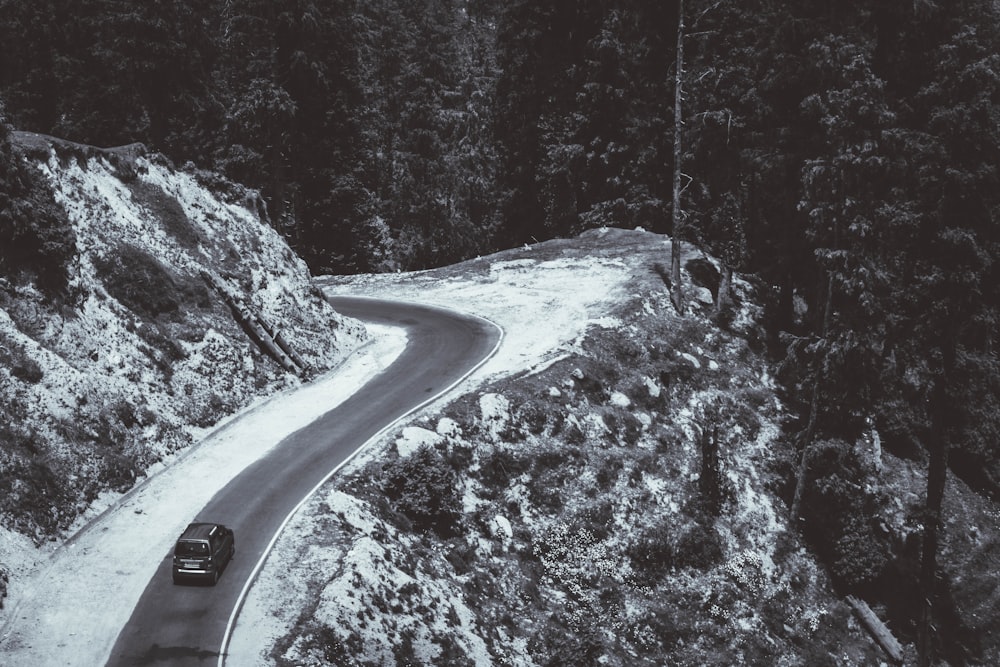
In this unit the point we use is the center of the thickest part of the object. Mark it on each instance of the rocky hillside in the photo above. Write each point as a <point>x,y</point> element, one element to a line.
<point>613,501</point>
<point>145,349</point>
<point>616,494</point>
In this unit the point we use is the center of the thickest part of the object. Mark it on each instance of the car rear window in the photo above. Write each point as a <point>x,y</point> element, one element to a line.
<point>185,548</point>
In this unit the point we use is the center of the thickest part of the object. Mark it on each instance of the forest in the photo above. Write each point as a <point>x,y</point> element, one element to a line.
<point>842,154</point>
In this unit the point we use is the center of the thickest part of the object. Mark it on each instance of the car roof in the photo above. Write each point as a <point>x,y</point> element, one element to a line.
<point>199,531</point>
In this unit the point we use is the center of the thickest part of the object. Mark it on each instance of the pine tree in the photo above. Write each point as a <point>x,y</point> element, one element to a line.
<point>37,241</point>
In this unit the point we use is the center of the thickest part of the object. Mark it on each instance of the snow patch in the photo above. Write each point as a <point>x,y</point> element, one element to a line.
<point>619,399</point>
<point>495,412</point>
<point>691,359</point>
<point>413,438</point>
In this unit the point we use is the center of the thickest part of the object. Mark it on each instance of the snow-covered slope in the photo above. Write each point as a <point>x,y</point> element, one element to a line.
<point>144,353</point>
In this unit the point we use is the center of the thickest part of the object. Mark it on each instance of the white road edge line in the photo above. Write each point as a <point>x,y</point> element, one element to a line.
<point>227,636</point>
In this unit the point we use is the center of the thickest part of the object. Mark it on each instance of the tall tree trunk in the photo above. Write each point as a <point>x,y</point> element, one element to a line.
<point>805,440</point>
<point>937,475</point>
<point>710,483</point>
<point>724,297</point>
<point>785,315</point>
<point>675,243</point>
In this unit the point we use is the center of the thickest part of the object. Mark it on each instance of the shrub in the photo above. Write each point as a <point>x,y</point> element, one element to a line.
<point>545,489</point>
<point>139,281</point>
<point>211,411</point>
<point>593,377</point>
<point>598,519</point>
<point>572,433</point>
<point>704,274</point>
<point>4,580</point>
<point>860,557</point>
<point>500,466</point>
<point>168,210</point>
<point>33,494</point>
<point>698,547</point>
<point>837,514</point>
<point>608,471</point>
<point>652,553</point>
<point>625,426</point>
<point>532,417</point>
<point>25,368</point>
<point>330,645</point>
<point>423,488</point>
<point>36,236</point>
<point>462,557</point>
<point>552,467</point>
<point>574,650</point>
<point>118,470</point>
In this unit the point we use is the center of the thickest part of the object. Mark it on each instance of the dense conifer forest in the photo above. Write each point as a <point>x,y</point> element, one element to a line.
<point>844,154</point>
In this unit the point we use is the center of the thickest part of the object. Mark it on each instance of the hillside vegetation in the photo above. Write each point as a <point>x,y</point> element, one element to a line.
<point>115,352</point>
<point>624,502</point>
<point>841,154</point>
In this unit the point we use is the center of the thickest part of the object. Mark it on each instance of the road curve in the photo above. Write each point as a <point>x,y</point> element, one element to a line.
<point>187,625</point>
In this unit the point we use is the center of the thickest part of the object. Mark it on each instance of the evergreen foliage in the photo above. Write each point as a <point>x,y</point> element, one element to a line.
<point>843,153</point>
<point>422,487</point>
<point>36,238</point>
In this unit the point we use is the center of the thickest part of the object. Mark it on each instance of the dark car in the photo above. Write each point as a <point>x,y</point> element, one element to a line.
<point>203,550</point>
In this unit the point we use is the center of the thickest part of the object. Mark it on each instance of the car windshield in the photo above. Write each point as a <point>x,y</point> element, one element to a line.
<point>185,548</point>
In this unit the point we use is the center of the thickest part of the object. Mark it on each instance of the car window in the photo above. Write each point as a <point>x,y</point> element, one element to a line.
<point>192,549</point>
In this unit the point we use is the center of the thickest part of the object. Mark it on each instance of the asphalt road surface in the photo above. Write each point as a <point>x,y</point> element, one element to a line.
<point>187,624</point>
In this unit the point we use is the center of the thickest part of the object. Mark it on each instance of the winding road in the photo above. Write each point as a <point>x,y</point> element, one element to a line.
<point>190,625</point>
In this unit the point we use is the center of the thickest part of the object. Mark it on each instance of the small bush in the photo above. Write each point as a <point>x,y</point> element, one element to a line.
<point>598,519</point>
<point>664,547</point>
<point>574,650</point>
<point>36,236</point>
<point>704,274</point>
<point>592,377</point>
<point>860,556</point>
<point>139,281</point>
<point>423,488</point>
<point>698,547</point>
<point>4,580</point>
<point>552,467</point>
<point>608,471</point>
<point>500,466</point>
<point>25,368</point>
<point>837,514</point>
<point>168,210</point>
<point>118,471</point>
<point>545,490</point>
<point>624,425</point>
<point>573,434</point>
<point>211,411</point>
<point>462,557</point>
<point>532,417</point>
<point>676,372</point>
<point>652,554</point>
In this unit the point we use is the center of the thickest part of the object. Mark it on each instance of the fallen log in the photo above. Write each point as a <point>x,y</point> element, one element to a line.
<point>877,629</point>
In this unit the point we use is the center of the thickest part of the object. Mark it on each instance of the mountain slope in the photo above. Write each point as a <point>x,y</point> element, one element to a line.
<point>562,512</point>
<point>142,352</point>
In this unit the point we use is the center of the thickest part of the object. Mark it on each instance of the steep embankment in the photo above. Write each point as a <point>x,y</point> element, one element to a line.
<point>144,351</point>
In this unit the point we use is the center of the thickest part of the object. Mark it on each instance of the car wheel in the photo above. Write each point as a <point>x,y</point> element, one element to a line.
<point>215,576</point>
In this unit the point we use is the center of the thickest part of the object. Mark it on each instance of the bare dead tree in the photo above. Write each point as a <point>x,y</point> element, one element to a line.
<point>677,294</point>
